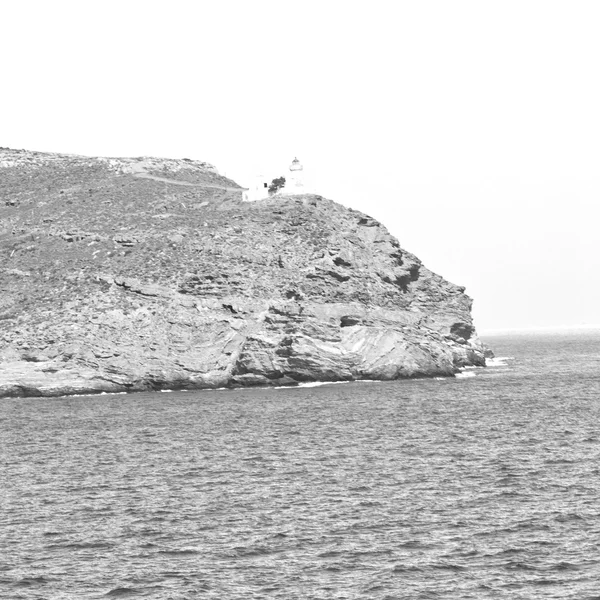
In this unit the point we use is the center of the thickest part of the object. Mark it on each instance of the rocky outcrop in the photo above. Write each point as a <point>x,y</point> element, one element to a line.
<point>136,274</point>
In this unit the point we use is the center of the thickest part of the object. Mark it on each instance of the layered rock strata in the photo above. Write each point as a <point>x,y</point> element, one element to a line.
<point>141,274</point>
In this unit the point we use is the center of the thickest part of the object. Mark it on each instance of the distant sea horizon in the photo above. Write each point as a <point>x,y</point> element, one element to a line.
<point>539,330</point>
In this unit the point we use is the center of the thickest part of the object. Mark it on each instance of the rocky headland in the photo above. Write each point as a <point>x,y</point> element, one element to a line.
<point>142,274</point>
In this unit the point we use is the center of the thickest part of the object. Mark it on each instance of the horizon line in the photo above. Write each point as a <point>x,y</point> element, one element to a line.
<point>539,329</point>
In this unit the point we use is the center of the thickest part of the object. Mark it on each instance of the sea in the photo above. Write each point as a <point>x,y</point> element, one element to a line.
<point>486,485</point>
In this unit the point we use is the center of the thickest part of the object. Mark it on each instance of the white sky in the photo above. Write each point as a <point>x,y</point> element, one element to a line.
<point>471,129</point>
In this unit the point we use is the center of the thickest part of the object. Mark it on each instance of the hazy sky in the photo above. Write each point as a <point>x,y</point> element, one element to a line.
<point>471,129</point>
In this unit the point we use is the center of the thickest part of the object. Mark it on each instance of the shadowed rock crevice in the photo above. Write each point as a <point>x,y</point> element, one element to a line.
<point>142,274</point>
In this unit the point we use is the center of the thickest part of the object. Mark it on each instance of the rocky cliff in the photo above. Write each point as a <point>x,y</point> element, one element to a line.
<point>136,274</point>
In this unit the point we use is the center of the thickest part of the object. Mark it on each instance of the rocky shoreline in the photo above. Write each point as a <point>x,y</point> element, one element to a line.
<point>123,275</point>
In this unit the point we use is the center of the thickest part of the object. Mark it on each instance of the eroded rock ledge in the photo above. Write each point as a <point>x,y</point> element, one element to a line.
<point>137,274</point>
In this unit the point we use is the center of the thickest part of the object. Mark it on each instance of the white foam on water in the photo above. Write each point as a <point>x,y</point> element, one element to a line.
<point>310,384</point>
<point>320,383</point>
<point>92,395</point>
<point>182,390</point>
<point>465,374</point>
<point>499,361</point>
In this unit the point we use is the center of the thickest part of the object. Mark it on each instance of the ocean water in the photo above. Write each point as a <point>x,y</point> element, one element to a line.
<point>483,486</point>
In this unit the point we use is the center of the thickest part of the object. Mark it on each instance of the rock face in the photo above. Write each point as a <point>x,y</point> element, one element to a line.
<point>136,274</point>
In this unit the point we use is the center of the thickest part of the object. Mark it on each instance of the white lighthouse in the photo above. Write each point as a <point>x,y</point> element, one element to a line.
<point>294,182</point>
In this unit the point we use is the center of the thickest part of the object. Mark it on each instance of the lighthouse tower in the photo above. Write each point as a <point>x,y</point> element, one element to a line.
<point>294,182</point>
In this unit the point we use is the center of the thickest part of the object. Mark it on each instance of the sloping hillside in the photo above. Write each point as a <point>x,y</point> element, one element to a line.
<point>131,274</point>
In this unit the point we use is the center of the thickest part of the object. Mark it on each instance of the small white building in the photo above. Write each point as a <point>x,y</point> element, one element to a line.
<point>258,190</point>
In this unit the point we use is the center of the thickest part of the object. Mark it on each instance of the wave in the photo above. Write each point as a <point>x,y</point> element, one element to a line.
<point>248,551</point>
<point>499,361</point>
<point>31,581</point>
<point>82,545</point>
<point>406,568</point>
<point>448,567</point>
<point>470,371</point>
<point>465,374</point>
<point>98,394</point>
<point>310,384</point>
<point>123,591</point>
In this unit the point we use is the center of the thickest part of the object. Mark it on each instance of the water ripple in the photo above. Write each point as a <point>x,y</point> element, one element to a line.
<point>479,487</point>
